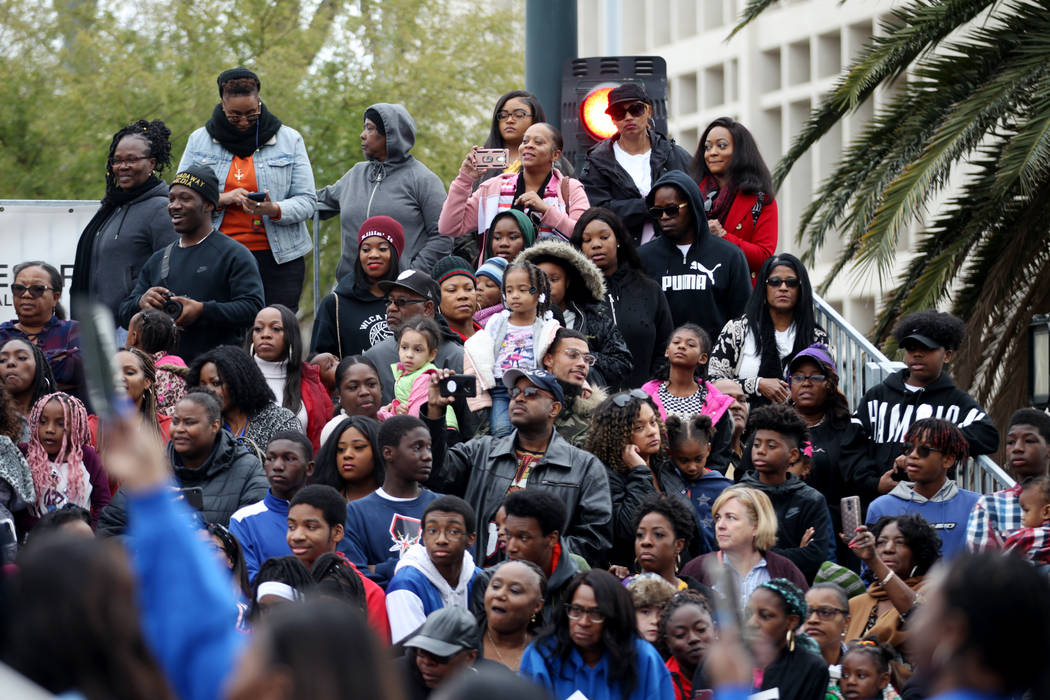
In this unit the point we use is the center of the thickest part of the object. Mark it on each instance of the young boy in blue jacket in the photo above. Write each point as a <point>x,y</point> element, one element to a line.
<point>436,573</point>
<point>381,526</point>
<point>933,447</point>
<point>261,527</point>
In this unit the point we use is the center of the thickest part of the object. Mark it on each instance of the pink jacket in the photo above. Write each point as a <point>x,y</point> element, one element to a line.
<point>716,405</point>
<point>464,211</point>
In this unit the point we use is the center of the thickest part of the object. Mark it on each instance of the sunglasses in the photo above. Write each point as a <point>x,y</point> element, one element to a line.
<point>623,398</point>
<point>35,290</point>
<point>402,302</point>
<point>922,450</point>
<point>635,109</point>
<point>670,211</point>
<point>529,392</point>
<point>791,282</point>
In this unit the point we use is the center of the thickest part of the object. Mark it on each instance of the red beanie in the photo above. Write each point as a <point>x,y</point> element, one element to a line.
<point>386,228</point>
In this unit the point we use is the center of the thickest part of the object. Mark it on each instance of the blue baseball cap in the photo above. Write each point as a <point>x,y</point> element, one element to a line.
<point>541,379</point>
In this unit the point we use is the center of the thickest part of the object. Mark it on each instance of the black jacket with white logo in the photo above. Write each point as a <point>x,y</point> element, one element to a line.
<point>711,283</point>
<point>888,409</point>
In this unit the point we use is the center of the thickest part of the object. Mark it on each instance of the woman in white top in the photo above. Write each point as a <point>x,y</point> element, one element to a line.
<point>778,322</point>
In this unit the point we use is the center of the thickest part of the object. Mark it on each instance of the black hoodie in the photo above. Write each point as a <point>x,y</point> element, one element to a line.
<point>887,411</point>
<point>711,283</point>
<point>359,324</point>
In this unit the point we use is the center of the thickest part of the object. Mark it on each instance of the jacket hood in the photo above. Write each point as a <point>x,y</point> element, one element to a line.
<point>586,281</point>
<point>416,556</point>
<point>224,453</point>
<point>786,489</point>
<point>906,490</point>
<point>400,131</point>
<point>158,190</point>
<point>347,287</point>
<point>688,187</point>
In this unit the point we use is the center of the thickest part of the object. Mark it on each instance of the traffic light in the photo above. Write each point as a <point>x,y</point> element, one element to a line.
<point>585,86</point>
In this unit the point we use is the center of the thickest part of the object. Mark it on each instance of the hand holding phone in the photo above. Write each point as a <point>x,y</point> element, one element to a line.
<point>457,385</point>
<point>849,508</point>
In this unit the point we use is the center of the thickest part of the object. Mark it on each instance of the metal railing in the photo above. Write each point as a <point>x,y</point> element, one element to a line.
<point>861,366</point>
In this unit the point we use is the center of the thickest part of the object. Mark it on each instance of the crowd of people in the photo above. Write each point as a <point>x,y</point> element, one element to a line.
<point>599,452</point>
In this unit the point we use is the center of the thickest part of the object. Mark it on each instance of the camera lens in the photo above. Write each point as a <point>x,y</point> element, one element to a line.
<point>172,308</point>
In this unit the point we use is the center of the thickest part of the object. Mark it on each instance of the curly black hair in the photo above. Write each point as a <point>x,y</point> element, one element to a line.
<point>626,248</point>
<point>543,506</point>
<point>680,600</point>
<point>921,538</point>
<point>611,427</point>
<point>780,418</point>
<point>938,326</point>
<point>681,516</point>
<point>243,381</point>
<point>156,134</point>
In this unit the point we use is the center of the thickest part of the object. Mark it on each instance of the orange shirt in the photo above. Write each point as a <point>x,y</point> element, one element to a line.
<point>247,229</point>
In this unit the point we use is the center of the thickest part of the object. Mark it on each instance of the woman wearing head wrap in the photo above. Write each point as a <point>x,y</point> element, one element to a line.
<point>251,151</point>
<point>459,295</point>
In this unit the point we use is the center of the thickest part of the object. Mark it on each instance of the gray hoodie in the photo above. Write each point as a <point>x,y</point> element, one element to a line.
<point>400,187</point>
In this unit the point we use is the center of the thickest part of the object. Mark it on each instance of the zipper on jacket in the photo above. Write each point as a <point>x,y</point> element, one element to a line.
<point>612,307</point>
<point>379,179</point>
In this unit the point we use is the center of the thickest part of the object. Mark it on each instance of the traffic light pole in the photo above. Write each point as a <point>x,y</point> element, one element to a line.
<point>550,41</point>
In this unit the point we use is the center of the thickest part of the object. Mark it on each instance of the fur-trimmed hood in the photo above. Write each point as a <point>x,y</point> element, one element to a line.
<point>586,282</point>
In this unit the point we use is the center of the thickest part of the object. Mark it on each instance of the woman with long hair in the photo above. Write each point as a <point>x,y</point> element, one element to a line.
<point>352,318</point>
<point>552,199</point>
<point>276,343</point>
<point>132,223</point>
<point>27,376</point>
<point>16,481</point>
<point>638,305</point>
<point>777,324</point>
<point>358,392</point>
<point>737,190</point>
<point>350,460</point>
<point>139,376</point>
<point>249,409</point>
<point>155,333</point>
<point>621,169</point>
<point>515,112</point>
<point>593,647</point>
<point>252,152</point>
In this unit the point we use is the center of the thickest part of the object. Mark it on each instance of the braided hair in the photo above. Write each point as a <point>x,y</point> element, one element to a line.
<point>336,578</point>
<point>537,280</point>
<point>287,570</point>
<point>794,599</point>
<point>880,653</point>
<point>942,435</point>
<point>158,331</point>
<point>696,428</point>
<point>71,450</point>
<point>156,134</point>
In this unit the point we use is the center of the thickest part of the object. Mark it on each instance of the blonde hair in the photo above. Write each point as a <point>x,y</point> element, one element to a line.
<point>759,510</point>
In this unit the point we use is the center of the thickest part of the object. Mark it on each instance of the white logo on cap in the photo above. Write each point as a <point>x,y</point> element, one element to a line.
<point>406,274</point>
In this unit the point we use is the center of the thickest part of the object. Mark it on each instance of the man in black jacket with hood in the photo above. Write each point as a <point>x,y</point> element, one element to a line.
<point>705,278</point>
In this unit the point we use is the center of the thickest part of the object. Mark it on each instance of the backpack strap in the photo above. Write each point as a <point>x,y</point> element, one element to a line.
<point>165,264</point>
<point>756,211</point>
<point>338,333</point>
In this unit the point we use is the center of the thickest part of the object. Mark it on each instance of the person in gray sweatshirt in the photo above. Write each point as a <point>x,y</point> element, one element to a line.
<point>391,182</point>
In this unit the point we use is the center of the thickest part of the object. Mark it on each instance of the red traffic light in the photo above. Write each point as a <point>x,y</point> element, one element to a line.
<point>598,124</point>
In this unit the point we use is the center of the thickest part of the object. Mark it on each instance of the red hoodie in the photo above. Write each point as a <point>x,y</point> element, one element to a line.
<point>317,401</point>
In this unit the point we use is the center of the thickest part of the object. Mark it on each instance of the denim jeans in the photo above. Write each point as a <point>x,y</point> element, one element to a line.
<point>499,416</point>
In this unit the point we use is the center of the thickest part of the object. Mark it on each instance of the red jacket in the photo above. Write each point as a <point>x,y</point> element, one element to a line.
<point>317,401</point>
<point>757,242</point>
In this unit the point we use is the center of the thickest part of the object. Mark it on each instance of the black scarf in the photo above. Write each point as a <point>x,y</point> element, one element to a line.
<point>114,199</point>
<point>242,143</point>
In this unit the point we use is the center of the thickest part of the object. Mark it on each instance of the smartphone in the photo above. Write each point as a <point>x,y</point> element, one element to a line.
<point>457,385</point>
<point>257,196</point>
<point>849,508</point>
<point>491,158</point>
<point>194,496</point>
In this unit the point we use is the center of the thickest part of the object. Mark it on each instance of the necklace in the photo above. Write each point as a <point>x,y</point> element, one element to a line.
<point>495,647</point>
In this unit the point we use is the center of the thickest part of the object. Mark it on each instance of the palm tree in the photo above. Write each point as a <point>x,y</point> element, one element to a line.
<point>972,98</point>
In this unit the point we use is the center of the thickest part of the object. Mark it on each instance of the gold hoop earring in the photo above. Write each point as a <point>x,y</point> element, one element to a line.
<point>791,640</point>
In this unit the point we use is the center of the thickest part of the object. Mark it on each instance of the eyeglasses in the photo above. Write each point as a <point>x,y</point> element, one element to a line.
<point>577,612</point>
<point>791,282</point>
<point>825,612</point>
<point>922,450</point>
<point>618,112</point>
<point>519,114</point>
<point>452,533</point>
<point>529,392</point>
<point>238,118</point>
<point>35,290</point>
<point>402,302</point>
<point>800,378</point>
<point>117,162</point>
<point>670,211</point>
<point>625,397</point>
<point>575,355</point>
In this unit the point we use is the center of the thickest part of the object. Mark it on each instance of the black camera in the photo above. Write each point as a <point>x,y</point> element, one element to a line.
<point>172,307</point>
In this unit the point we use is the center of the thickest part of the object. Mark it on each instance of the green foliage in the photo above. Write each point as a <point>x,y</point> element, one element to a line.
<point>971,105</point>
<point>76,71</point>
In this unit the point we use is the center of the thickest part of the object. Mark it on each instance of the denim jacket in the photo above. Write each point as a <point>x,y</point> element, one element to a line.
<point>282,167</point>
